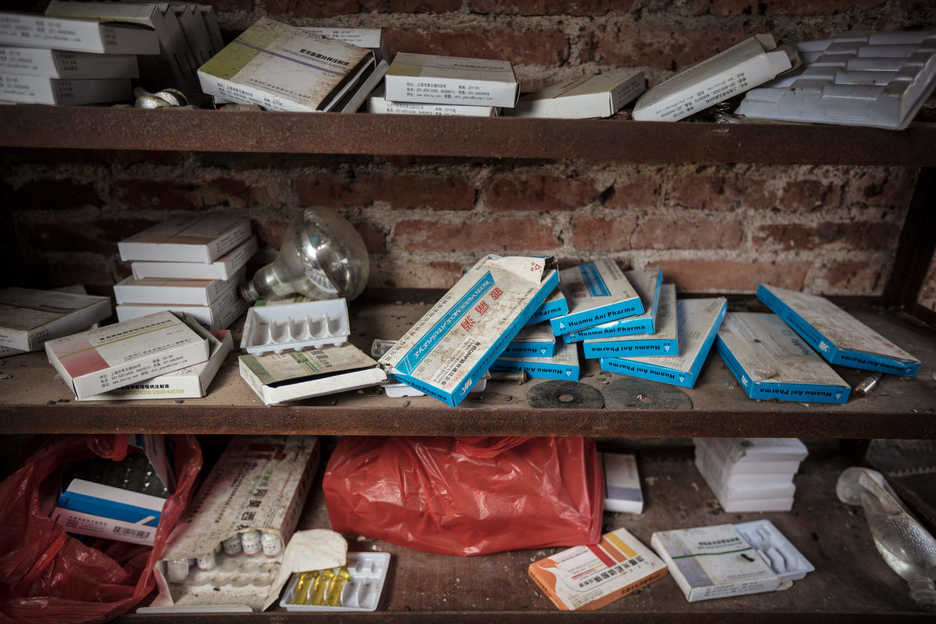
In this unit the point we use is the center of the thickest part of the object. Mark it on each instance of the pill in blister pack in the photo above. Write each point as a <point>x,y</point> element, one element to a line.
<point>355,587</point>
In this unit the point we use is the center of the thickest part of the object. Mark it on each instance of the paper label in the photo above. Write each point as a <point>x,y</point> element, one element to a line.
<point>277,367</point>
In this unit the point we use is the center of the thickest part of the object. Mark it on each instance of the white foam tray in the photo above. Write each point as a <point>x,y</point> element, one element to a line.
<point>295,326</point>
<point>775,549</point>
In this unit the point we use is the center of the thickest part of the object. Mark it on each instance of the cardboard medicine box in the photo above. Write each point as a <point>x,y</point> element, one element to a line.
<point>435,79</point>
<point>564,364</point>
<point>187,239</point>
<point>74,35</point>
<point>102,359</point>
<point>29,317</point>
<point>597,292</point>
<point>600,95</point>
<point>663,342</point>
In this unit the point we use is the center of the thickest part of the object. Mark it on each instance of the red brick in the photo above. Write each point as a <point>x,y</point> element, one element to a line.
<point>538,192</point>
<point>513,235</point>
<point>785,7</point>
<point>596,233</point>
<point>375,237</point>
<point>521,47</point>
<point>51,195</point>
<point>97,235</point>
<point>324,8</point>
<point>853,235</point>
<point>424,6</point>
<point>670,233</point>
<point>405,274</point>
<point>718,190</point>
<point>855,277</point>
<point>400,191</point>
<point>664,48</point>
<point>587,8</point>
<point>641,191</point>
<point>697,276</point>
<point>270,230</point>
<point>806,195</point>
<point>97,272</point>
<point>880,188</point>
<point>154,194</point>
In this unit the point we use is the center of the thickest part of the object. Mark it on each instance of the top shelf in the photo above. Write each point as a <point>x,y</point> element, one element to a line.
<point>37,126</point>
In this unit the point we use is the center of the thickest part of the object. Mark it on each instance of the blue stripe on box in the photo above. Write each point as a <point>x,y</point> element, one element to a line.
<point>549,310</point>
<point>594,284</point>
<point>107,508</point>
<point>539,370</point>
<point>630,348</point>
<point>596,316</point>
<point>648,371</point>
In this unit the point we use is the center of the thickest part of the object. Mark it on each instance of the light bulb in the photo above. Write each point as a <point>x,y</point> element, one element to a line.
<point>322,257</point>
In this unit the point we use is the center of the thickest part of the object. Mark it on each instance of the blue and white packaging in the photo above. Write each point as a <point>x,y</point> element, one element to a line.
<point>622,483</point>
<point>99,510</point>
<point>563,365</point>
<point>555,305</point>
<point>771,362</point>
<point>448,350</point>
<point>697,323</point>
<point>835,334</point>
<point>532,341</point>
<point>647,284</point>
<point>663,343</point>
<point>597,292</point>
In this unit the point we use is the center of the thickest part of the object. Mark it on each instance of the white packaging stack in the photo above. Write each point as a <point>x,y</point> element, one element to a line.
<point>878,79</point>
<point>189,265</point>
<point>750,474</point>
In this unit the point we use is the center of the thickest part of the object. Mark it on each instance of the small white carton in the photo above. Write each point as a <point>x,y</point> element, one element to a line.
<point>564,364</point>
<point>771,362</point>
<point>219,314</point>
<point>835,334</point>
<point>194,29</point>
<point>597,292</point>
<point>555,305</point>
<point>362,37</point>
<point>448,350</point>
<point>664,342</point>
<point>203,238</point>
<point>756,454</point>
<point>293,375</point>
<point>379,104</point>
<point>258,487</point>
<point>74,35</point>
<point>187,383</point>
<point>648,284</point>
<point>29,317</point>
<point>697,323</point>
<point>752,62</point>
<point>59,64</point>
<point>113,356</point>
<point>224,268</point>
<point>63,91</point>
<point>622,483</point>
<point>172,291</point>
<point>451,80</point>
<point>532,341</point>
<point>714,562</point>
<point>600,95</point>
<point>99,510</point>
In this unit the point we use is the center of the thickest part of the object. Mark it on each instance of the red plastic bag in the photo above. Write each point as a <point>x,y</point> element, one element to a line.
<point>467,496</point>
<point>48,576</point>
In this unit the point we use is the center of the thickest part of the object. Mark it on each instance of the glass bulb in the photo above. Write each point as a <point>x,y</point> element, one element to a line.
<point>322,257</point>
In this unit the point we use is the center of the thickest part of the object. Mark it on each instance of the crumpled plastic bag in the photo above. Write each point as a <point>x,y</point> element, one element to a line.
<point>467,496</point>
<point>47,575</point>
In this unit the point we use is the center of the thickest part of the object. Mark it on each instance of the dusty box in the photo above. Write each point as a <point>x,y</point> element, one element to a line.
<point>113,356</point>
<point>260,483</point>
<point>362,37</point>
<point>187,383</point>
<point>448,350</point>
<point>172,291</point>
<point>697,323</point>
<point>62,91</point>
<point>713,562</point>
<point>648,284</point>
<point>555,305</point>
<point>219,314</point>
<point>379,104</point>
<point>601,95</point>
<point>99,510</point>
<point>622,483</point>
<point>564,364</point>
<point>293,375</point>
<point>282,67</point>
<point>532,341</point>
<point>664,342</point>
<point>187,239</point>
<point>771,362</point>
<point>224,268</point>
<point>835,334</point>
<point>597,292</point>
<point>752,62</point>
<point>58,64</point>
<point>451,80</point>
<point>589,577</point>
<point>74,35</point>
<point>29,317</point>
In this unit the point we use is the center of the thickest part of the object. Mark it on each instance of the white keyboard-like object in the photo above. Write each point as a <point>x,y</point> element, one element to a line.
<point>879,80</point>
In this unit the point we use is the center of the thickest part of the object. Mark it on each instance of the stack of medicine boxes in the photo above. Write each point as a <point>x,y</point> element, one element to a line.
<point>750,474</point>
<point>190,265</point>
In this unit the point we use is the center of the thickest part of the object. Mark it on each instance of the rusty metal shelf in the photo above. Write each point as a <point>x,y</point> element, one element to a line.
<point>36,126</point>
<point>851,581</point>
<point>34,400</point>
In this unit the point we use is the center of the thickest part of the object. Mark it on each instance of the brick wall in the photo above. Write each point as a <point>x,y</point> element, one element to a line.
<point>722,228</point>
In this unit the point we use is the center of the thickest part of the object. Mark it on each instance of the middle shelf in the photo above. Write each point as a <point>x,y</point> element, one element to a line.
<point>33,399</point>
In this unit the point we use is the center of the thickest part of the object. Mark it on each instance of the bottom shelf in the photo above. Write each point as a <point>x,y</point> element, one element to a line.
<point>851,581</point>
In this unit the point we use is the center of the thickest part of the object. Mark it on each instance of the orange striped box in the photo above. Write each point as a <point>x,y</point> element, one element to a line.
<point>589,577</point>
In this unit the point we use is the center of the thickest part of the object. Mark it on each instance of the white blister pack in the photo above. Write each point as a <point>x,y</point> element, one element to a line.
<point>361,592</point>
<point>775,549</point>
<point>295,326</point>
